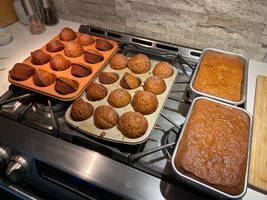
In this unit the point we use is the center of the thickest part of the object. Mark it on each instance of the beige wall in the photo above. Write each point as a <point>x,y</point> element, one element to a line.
<point>233,25</point>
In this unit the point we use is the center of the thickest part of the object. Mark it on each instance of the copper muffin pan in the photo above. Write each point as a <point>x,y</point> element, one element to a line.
<point>114,134</point>
<point>82,81</point>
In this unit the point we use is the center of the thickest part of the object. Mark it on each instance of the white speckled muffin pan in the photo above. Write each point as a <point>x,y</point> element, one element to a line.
<point>82,81</point>
<point>114,134</point>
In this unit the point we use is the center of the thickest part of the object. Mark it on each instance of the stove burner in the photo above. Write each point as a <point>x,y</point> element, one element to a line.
<point>170,136</point>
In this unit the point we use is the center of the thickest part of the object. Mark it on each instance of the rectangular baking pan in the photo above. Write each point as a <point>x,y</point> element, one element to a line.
<point>202,186</point>
<point>244,60</point>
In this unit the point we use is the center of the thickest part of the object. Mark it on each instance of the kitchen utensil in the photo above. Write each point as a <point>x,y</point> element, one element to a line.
<point>258,164</point>
<point>50,17</point>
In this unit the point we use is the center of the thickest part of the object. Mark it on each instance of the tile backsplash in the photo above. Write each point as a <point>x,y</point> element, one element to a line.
<point>238,25</point>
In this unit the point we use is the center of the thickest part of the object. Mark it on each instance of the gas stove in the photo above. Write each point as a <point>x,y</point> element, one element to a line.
<point>45,154</point>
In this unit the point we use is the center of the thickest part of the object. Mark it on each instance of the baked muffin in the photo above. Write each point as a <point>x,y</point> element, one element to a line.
<point>43,78</point>
<point>103,45</point>
<point>139,64</point>
<point>119,98</point>
<point>54,46</point>
<point>133,124</point>
<point>93,57</point>
<point>107,78</point>
<point>145,102</point>
<point>21,72</point>
<point>65,85</point>
<point>73,49</point>
<point>163,70</point>
<point>67,34</point>
<point>129,81</point>
<point>118,62</point>
<point>85,39</point>
<point>96,92</point>
<point>39,57</point>
<point>81,110</point>
<point>59,63</point>
<point>155,84</point>
<point>80,70</point>
<point>105,117</point>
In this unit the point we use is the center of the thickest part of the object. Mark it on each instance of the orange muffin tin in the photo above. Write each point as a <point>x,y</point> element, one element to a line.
<point>82,81</point>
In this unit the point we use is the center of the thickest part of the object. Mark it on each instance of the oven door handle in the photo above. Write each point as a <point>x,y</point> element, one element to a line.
<point>13,189</point>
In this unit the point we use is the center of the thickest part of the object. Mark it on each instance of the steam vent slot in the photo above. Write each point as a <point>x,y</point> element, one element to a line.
<point>193,53</point>
<point>115,35</point>
<point>94,30</point>
<point>144,42</point>
<point>165,47</point>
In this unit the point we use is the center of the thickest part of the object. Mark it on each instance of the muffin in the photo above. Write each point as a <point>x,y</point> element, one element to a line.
<point>139,64</point>
<point>96,92</point>
<point>73,49</point>
<point>119,98</point>
<point>103,45</point>
<point>39,57</point>
<point>93,57</point>
<point>21,72</point>
<point>67,34</point>
<point>81,110</point>
<point>43,78</point>
<point>107,78</point>
<point>129,81</point>
<point>54,46</point>
<point>80,70</point>
<point>155,84</point>
<point>65,85</point>
<point>59,63</point>
<point>133,124</point>
<point>118,62</point>
<point>145,102</point>
<point>105,117</point>
<point>85,39</point>
<point>163,70</point>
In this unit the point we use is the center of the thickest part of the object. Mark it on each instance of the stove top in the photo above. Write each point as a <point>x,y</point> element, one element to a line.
<point>47,115</point>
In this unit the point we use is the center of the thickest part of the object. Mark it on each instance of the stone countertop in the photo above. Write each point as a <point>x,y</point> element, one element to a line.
<point>24,42</point>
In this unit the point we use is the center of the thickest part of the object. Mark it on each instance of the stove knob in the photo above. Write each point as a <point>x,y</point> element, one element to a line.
<point>17,168</point>
<point>3,160</point>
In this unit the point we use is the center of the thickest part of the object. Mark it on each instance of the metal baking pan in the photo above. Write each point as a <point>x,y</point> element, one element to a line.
<point>244,60</point>
<point>198,184</point>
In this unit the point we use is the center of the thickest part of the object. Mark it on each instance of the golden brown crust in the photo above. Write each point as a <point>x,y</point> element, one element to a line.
<point>139,64</point>
<point>96,92</point>
<point>107,78</point>
<point>65,85</point>
<point>119,98</point>
<point>73,49</point>
<point>145,102</point>
<point>92,56</point>
<point>103,45</point>
<point>118,62</point>
<point>163,70</point>
<point>80,70</point>
<point>59,63</point>
<point>43,78</point>
<point>155,84</point>
<point>39,57</point>
<point>85,39</point>
<point>105,117</point>
<point>133,124</point>
<point>214,146</point>
<point>129,81</point>
<point>67,34</point>
<point>220,75</point>
<point>81,110</point>
<point>21,72</point>
<point>54,46</point>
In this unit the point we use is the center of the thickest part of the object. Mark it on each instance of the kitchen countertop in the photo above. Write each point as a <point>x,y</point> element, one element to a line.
<point>24,42</point>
